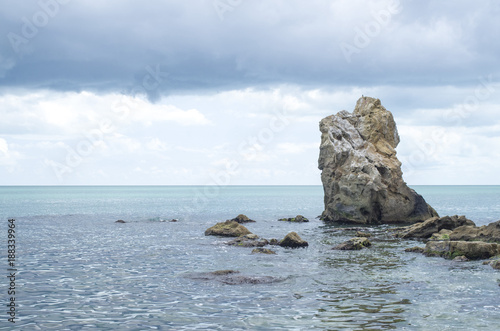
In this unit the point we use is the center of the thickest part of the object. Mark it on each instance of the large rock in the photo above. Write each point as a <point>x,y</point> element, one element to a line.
<point>473,250</point>
<point>361,175</point>
<point>227,229</point>
<point>488,233</point>
<point>433,225</point>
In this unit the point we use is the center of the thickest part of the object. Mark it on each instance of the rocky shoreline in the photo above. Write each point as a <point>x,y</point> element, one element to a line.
<point>454,237</point>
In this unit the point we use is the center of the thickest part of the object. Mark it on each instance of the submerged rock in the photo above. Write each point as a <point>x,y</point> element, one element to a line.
<point>296,219</point>
<point>249,240</point>
<point>233,277</point>
<point>461,258</point>
<point>241,279</point>
<point>242,219</point>
<point>473,250</point>
<point>416,249</point>
<point>227,229</point>
<point>363,234</point>
<point>223,272</point>
<point>495,264</point>
<point>274,242</point>
<point>433,225</point>
<point>120,221</point>
<point>262,251</point>
<point>353,244</point>
<point>487,233</point>
<point>293,240</point>
<point>361,175</point>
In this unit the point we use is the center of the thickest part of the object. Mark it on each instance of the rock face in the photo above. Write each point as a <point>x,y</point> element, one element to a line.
<point>434,225</point>
<point>361,175</point>
<point>227,229</point>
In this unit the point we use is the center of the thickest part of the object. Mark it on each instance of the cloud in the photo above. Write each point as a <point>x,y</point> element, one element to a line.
<point>173,88</point>
<point>9,156</point>
<point>296,148</point>
<point>156,144</point>
<point>4,148</point>
<point>169,47</point>
<point>74,114</point>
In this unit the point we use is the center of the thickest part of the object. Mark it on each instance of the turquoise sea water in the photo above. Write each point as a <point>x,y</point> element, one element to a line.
<point>79,270</point>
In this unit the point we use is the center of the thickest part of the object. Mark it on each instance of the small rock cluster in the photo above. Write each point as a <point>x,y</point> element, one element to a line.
<point>296,219</point>
<point>245,238</point>
<point>455,237</point>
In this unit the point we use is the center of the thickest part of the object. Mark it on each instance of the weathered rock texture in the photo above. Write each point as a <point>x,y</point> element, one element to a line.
<point>361,175</point>
<point>488,233</point>
<point>473,250</point>
<point>433,226</point>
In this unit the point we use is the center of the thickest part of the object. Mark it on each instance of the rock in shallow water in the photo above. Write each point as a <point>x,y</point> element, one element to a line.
<point>353,244</point>
<point>249,240</point>
<point>434,225</point>
<point>261,250</point>
<point>415,249</point>
<point>487,233</point>
<point>296,219</point>
<point>473,250</point>
<point>227,229</point>
<point>242,219</point>
<point>234,277</point>
<point>293,240</point>
<point>361,175</point>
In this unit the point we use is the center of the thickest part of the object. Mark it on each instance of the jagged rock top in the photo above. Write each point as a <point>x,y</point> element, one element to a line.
<point>361,174</point>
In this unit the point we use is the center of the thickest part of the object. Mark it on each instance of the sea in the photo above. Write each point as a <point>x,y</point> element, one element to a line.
<point>77,269</point>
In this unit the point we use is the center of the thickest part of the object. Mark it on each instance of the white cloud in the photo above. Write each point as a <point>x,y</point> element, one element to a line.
<point>155,144</point>
<point>163,143</point>
<point>4,147</point>
<point>296,148</point>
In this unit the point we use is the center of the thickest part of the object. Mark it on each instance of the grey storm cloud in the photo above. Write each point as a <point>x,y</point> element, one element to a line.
<point>164,47</point>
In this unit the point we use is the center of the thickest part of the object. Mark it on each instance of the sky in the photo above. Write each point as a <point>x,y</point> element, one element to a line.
<point>230,92</point>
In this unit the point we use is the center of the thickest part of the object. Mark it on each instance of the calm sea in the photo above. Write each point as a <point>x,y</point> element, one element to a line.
<point>79,270</point>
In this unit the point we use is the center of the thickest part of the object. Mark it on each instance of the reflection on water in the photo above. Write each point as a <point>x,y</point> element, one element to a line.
<point>363,291</point>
